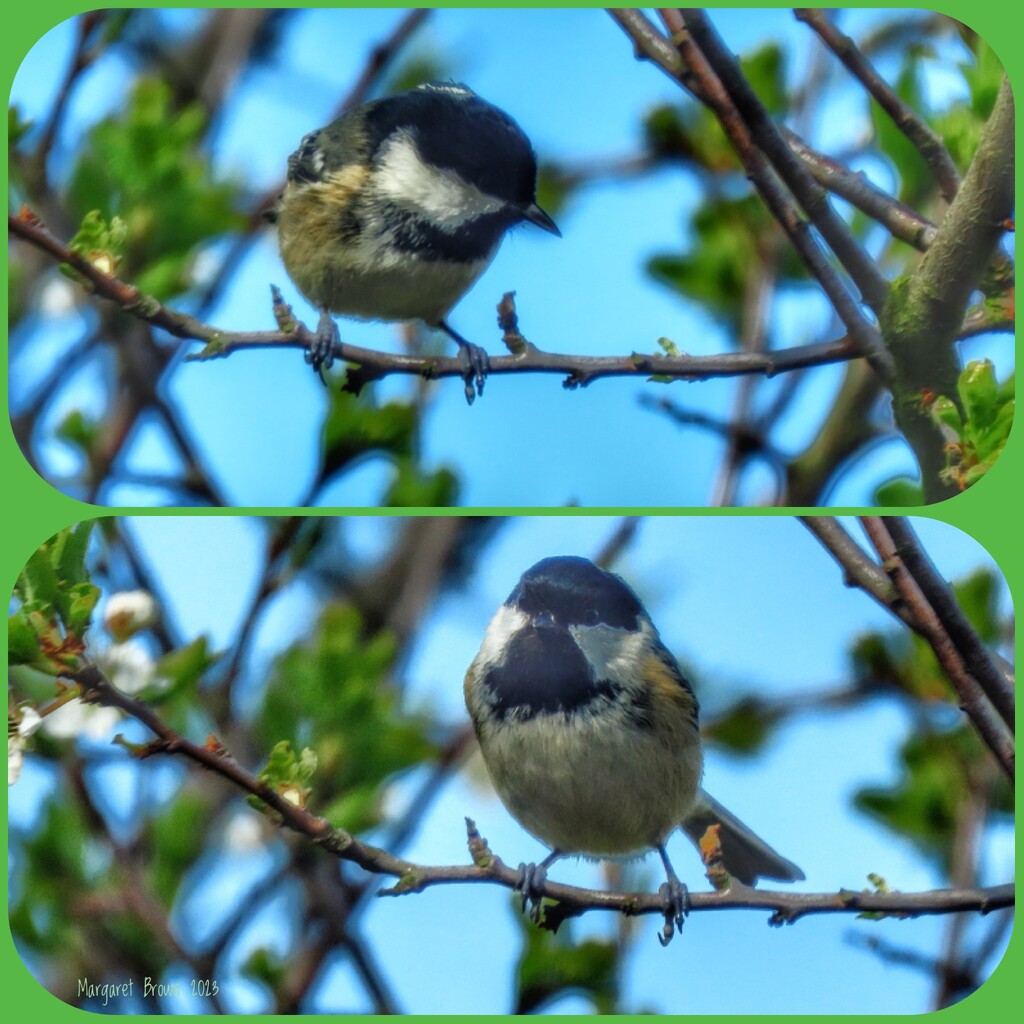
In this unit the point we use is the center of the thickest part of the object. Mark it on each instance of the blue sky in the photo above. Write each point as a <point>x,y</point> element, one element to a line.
<point>751,604</point>
<point>569,78</point>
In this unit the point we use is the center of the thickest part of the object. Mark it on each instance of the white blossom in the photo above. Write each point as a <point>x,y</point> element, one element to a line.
<point>243,832</point>
<point>30,721</point>
<point>130,667</point>
<point>58,297</point>
<point>129,612</point>
<point>15,758</point>
<point>77,719</point>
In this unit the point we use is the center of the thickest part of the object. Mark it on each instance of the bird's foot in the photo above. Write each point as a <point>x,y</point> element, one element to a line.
<point>321,352</point>
<point>530,886</point>
<point>675,905</point>
<point>475,362</point>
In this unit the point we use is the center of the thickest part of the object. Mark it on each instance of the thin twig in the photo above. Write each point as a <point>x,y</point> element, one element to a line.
<point>861,571</point>
<point>863,271</point>
<point>773,192</point>
<point>901,221</point>
<point>617,542</point>
<point>81,58</point>
<point>976,657</point>
<point>858,568</point>
<point>928,143</point>
<point>747,438</point>
<point>973,701</point>
<point>897,218</point>
<point>753,337</point>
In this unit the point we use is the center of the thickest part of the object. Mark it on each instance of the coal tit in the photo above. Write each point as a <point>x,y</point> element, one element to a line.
<point>590,730</point>
<point>394,210</point>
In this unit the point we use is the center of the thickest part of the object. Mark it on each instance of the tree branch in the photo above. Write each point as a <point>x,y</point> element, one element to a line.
<point>785,907</point>
<point>973,701</point>
<point>710,89</point>
<point>812,198</point>
<point>927,142</point>
<point>846,431</point>
<point>861,571</point>
<point>578,370</point>
<point>926,311</point>
<point>901,221</point>
<point>939,595</point>
<point>897,218</point>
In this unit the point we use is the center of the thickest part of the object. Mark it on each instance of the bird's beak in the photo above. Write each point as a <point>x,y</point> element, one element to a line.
<point>535,215</point>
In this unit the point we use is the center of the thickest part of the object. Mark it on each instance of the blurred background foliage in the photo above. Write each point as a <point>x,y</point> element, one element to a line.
<point>150,867</point>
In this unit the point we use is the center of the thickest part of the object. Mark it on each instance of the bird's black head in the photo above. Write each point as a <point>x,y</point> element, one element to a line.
<point>454,129</point>
<point>575,592</point>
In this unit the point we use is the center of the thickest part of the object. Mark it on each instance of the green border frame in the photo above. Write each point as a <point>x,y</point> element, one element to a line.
<point>990,512</point>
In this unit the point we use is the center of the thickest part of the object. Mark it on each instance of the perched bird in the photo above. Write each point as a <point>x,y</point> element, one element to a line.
<point>590,731</point>
<point>394,210</point>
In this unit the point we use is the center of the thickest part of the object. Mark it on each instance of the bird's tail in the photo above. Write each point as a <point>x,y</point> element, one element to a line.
<point>746,857</point>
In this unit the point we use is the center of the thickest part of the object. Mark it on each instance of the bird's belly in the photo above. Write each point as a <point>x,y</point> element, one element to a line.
<point>360,276</point>
<point>583,786</point>
<point>418,290</point>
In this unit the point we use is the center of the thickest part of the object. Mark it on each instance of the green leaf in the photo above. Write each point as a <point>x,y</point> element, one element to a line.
<point>357,810</point>
<point>979,392</point>
<point>176,838</point>
<point>981,434</point>
<point>82,600</point>
<point>16,126</point>
<point>552,966</point>
<point>765,70</point>
<point>901,662</point>
<point>899,493</point>
<point>70,549</point>
<point>979,598</point>
<point>942,773</point>
<point>732,239</point>
<point>411,488</point>
<point>962,124</point>
<point>916,180</point>
<point>744,727</point>
<point>37,585</point>
<point>79,430</point>
<point>184,667</point>
<point>984,78</point>
<point>22,640</point>
<point>945,413</point>
<point>555,187</point>
<point>265,965</point>
<point>356,427</point>
<point>989,442</point>
<point>146,171</point>
<point>54,875</point>
<point>285,768</point>
<point>332,693</point>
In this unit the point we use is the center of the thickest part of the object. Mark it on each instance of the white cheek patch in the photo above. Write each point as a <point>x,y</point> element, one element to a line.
<point>614,654</point>
<point>439,196</point>
<point>505,624</point>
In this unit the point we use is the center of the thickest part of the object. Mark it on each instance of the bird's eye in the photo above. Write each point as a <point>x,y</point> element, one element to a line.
<point>591,617</point>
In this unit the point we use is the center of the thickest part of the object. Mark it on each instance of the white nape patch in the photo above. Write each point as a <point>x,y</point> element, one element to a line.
<point>615,654</point>
<point>438,195</point>
<point>505,624</point>
<point>449,87</point>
